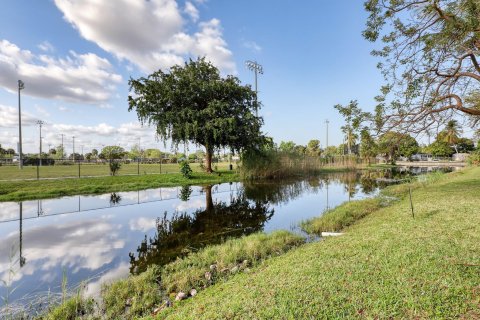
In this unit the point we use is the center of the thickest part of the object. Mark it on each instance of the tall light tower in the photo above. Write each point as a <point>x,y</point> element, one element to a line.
<point>257,68</point>
<point>40,124</point>
<point>21,86</point>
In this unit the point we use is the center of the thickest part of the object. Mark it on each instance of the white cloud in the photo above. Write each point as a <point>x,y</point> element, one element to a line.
<point>149,34</point>
<point>142,224</point>
<point>94,288</point>
<point>46,46</point>
<point>79,78</point>
<point>101,129</point>
<point>252,45</point>
<point>99,240</point>
<point>9,116</point>
<point>192,11</point>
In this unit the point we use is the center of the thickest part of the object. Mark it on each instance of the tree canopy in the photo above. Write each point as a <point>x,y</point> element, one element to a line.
<point>394,144</point>
<point>193,103</point>
<point>429,60</point>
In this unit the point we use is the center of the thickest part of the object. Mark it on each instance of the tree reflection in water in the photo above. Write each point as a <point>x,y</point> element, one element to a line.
<point>183,233</point>
<point>247,213</point>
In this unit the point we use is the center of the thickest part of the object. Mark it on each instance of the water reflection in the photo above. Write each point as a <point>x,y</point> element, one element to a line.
<point>183,232</point>
<point>109,235</point>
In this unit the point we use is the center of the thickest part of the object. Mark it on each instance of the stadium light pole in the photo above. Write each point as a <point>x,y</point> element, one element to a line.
<point>258,69</point>
<point>21,86</point>
<point>40,124</point>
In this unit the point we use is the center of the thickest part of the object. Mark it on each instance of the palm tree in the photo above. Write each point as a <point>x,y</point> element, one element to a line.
<point>350,137</point>
<point>452,132</point>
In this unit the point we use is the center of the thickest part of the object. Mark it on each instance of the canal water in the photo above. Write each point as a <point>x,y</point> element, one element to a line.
<point>96,239</point>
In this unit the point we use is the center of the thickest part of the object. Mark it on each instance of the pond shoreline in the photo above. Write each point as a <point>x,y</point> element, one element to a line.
<point>19,190</point>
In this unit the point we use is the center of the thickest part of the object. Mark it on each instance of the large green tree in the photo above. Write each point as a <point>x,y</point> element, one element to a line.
<point>395,144</point>
<point>193,103</point>
<point>429,59</point>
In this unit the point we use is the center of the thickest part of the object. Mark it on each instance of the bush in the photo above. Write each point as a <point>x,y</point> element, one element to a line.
<point>185,169</point>
<point>114,167</point>
<point>474,158</point>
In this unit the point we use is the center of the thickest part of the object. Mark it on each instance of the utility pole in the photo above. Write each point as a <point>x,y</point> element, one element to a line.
<point>63,150</point>
<point>21,86</point>
<point>73,148</point>
<point>40,124</point>
<point>257,68</point>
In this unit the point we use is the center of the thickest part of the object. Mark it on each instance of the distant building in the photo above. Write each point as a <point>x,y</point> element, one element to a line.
<point>460,157</point>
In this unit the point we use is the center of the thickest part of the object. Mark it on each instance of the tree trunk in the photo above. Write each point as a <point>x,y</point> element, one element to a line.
<point>208,198</point>
<point>208,160</point>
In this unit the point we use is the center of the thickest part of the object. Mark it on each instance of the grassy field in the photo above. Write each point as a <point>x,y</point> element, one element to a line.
<point>41,189</point>
<point>89,169</point>
<point>387,265</point>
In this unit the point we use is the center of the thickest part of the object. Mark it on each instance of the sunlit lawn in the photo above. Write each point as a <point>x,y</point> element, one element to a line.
<point>87,170</point>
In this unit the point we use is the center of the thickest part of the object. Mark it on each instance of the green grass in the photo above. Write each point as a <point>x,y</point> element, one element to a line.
<point>140,295</point>
<point>26,190</point>
<point>387,265</point>
<point>88,170</point>
<point>236,254</point>
<point>342,216</point>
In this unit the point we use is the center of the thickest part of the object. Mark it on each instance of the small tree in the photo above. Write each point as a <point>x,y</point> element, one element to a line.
<point>185,169</point>
<point>112,152</point>
<point>194,103</point>
<point>313,147</point>
<point>114,167</point>
<point>368,147</point>
<point>287,146</point>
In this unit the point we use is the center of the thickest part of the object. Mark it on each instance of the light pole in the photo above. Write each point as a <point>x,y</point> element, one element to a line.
<point>257,68</point>
<point>40,124</point>
<point>73,148</point>
<point>21,86</point>
<point>63,150</point>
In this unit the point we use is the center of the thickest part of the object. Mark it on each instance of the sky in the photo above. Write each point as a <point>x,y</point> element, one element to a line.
<point>76,57</point>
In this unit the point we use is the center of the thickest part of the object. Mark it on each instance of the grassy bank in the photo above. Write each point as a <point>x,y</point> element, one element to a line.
<point>148,292</point>
<point>26,190</point>
<point>387,265</point>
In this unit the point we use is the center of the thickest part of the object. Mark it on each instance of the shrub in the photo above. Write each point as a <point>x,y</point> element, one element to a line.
<point>474,158</point>
<point>185,169</point>
<point>114,167</point>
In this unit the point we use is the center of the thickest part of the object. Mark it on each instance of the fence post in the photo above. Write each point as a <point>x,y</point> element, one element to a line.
<point>138,166</point>
<point>38,172</point>
<point>160,165</point>
<point>79,169</point>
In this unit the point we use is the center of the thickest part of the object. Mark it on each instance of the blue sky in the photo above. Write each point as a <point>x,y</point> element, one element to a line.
<point>76,57</point>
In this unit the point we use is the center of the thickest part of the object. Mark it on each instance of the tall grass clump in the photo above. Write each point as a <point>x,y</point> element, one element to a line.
<point>215,263</point>
<point>348,213</point>
<point>341,217</point>
<point>272,163</point>
<point>134,296</point>
<point>73,308</point>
